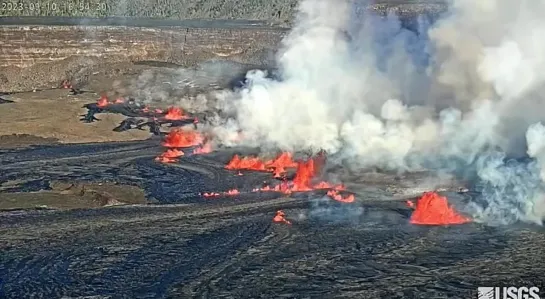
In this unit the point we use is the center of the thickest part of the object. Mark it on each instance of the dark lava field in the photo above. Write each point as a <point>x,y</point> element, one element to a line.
<point>177,243</point>
<point>182,245</point>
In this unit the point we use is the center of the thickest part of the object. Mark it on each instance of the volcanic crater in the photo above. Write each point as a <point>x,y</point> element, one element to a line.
<point>134,200</point>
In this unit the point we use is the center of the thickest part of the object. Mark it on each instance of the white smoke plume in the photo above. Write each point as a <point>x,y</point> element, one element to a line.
<point>191,88</point>
<point>464,97</point>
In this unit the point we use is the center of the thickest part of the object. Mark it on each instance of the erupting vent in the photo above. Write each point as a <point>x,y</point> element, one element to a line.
<point>433,209</point>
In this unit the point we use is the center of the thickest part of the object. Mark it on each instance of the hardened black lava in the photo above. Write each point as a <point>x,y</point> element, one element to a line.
<point>4,101</point>
<point>229,247</point>
<point>138,117</point>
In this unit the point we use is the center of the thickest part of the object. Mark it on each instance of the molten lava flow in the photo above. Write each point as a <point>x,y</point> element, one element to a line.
<point>305,173</point>
<point>103,102</point>
<point>172,153</point>
<point>230,192</point>
<point>245,163</point>
<point>211,194</point>
<point>182,138</point>
<point>334,194</point>
<point>280,217</point>
<point>280,163</point>
<point>119,101</point>
<point>277,166</point>
<point>410,204</point>
<point>433,209</point>
<point>163,159</point>
<point>175,113</point>
<point>284,160</point>
<point>204,149</point>
<point>326,185</point>
<point>169,156</point>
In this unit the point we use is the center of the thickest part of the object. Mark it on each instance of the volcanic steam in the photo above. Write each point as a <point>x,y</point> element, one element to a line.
<point>461,96</point>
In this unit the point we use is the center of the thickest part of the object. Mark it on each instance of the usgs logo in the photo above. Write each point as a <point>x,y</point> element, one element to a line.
<point>508,293</point>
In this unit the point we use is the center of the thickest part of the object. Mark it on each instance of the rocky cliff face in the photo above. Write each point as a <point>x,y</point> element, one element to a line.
<point>272,11</point>
<point>38,52</point>
<point>48,54</point>
<point>24,46</point>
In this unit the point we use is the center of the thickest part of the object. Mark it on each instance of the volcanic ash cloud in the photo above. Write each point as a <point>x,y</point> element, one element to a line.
<point>463,96</point>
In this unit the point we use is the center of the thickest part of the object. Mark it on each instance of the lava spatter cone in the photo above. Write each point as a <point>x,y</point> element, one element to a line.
<point>247,163</point>
<point>280,217</point>
<point>433,209</point>
<point>178,138</point>
<point>175,113</point>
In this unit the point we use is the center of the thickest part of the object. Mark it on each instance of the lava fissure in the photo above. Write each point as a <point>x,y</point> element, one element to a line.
<point>433,209</point>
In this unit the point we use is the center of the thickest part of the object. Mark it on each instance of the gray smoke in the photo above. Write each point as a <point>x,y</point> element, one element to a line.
<point>195,89</point>
<point>464,97</point>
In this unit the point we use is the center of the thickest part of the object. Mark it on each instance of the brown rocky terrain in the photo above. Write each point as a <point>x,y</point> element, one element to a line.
<point>34,57</point>
<point>37,52</point>
<point>67,195</point>
<point>55,116</point>
<point>271,11</point>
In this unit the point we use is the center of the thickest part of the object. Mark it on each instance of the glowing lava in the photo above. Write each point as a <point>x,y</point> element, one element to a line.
<point>103,102</point>
<point>248,163</point>
<point>433,209</point>
<point>277,166</point>
<point>304,176</point>
<point>182,138</point>
<point>169,156</point>
<point>175,113</point>
<point>119,101</point>
<point>305,173</point>
<point>231,192</point>
<point>280,217</point>
<point>211,194</point>
<point>284,160</point>
<point>280,164</point>
<point>334,194</point>
<point>204,149</point>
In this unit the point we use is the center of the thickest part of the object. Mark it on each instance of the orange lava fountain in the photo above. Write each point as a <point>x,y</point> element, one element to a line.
<point>175,113</point>
<point>182,138</point>
<point>433,209</point>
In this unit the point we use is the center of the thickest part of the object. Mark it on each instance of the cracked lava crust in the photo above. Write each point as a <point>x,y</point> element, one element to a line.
<point>231,223</point>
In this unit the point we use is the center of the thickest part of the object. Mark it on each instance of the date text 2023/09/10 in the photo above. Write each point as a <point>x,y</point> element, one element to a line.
<point>29,6</point>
